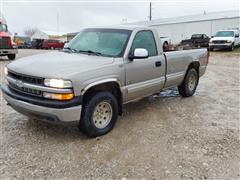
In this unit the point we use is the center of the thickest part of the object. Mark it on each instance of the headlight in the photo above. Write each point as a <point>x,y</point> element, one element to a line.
<point>58,83</point>
<point>229,41</point>
<point>5,71</point>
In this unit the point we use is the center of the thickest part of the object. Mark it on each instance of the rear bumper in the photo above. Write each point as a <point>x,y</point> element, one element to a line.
<point>69,115</point>
<point>8,51</point>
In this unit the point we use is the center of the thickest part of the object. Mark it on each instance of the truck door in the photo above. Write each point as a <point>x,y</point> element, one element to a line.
<point>144,76</point>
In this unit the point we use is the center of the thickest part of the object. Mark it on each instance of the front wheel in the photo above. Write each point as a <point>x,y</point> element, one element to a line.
<point>232,47</point>
<point>189,84</point>
<point>11,56</point>
<point>211,48</point>
<point>99,114</point>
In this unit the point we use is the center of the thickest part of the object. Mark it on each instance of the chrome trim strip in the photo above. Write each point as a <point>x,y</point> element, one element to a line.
<point>144,85</point>
<point>40,88</point>
<point>175,75</point>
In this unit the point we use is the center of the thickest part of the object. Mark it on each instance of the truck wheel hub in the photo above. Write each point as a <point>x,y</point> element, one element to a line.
<point>102,114</point>
<point>192,82</point>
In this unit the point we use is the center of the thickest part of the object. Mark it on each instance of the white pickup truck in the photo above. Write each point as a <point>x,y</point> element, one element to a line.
<point>101,69</point>
<point>225,39</point>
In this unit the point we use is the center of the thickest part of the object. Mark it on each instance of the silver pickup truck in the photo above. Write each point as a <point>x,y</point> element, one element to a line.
<point>101,69</point>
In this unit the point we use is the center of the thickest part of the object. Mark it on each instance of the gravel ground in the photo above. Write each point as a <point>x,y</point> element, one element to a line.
<point>160,137</point>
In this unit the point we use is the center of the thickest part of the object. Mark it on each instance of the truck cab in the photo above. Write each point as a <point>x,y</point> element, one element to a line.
<point>7,46</point>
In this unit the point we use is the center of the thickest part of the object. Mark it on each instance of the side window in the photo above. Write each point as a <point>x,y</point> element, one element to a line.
<point>145,39</point>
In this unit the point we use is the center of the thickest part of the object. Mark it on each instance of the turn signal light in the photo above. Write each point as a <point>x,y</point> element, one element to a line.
<point>62,97</point>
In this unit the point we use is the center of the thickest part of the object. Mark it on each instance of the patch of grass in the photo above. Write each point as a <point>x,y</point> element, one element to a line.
<point>237,50</point>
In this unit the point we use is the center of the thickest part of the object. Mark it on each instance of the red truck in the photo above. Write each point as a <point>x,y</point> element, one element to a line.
<point>7,46</point>
<point>52,44</point>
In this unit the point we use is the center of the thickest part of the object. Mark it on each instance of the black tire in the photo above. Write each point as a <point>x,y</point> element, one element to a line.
<point>11,56</point>
<point>184,89</point>
<point>231,48</point>
<point>165,45</point>
<point>87,124</point>
<point>211,48</point>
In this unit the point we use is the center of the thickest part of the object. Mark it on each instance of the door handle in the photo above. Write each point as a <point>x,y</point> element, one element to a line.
<point>158,63</point>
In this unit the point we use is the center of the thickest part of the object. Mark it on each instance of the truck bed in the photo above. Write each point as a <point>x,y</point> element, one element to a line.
<point>177,62</point>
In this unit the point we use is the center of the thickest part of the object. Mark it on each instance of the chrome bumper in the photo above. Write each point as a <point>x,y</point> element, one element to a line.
<point>220,45</point>
<point>8,51</point>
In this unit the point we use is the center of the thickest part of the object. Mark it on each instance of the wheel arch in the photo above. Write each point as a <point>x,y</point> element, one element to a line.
<point>110,85</point>
<point>195,65</point>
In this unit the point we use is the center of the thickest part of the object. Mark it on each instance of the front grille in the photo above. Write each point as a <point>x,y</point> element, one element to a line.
<point>25,79</point>
<point>25,90</point>
<point>5,43</point>
<point>219,42</point>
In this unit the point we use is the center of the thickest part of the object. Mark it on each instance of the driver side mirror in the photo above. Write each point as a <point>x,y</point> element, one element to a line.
<point>139,53</point>
<point>66,45</point>
<point>237,35</point>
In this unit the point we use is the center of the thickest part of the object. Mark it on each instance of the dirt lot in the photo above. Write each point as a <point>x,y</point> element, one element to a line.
<point>160,137</point>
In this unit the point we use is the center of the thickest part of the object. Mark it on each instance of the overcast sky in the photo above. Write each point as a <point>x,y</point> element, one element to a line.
<point>75,15</point>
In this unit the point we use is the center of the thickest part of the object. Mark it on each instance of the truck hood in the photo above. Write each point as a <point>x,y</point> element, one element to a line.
<point>58,64</point>
<point>222,38</point>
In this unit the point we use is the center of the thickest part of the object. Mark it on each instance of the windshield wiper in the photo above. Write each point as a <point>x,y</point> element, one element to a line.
<point>70,49</point>
<point>91,52</point>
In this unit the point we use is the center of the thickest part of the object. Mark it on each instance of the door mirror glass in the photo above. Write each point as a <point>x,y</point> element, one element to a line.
<point>66,45</point>
<point>139,53</point>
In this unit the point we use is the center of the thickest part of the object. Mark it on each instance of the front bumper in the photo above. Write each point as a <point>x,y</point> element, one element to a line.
<point>8,51</point>
<point>55,115</point>
<point>225,45</point>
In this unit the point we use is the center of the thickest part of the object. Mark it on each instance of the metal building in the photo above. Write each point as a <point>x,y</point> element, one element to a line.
<point>183,27</point>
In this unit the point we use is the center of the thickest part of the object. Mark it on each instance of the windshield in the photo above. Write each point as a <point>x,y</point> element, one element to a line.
<point>224,34</point>
<point>106,42</point>
<point>3,28</point>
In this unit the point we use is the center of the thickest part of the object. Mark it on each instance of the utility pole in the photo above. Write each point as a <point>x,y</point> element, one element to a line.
<point>150,11</point>
<point>58,23</point>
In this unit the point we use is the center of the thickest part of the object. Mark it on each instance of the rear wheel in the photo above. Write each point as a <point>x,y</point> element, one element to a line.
<point>189,84</point>
<point>11,56</point>
<point>99,114</point>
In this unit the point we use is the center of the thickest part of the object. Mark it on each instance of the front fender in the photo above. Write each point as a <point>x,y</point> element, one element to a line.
<point>100,82</point>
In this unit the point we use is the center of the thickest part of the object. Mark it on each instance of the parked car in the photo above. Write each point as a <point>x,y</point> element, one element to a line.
<point>225,39</point>
<point>23,42</point>
<point>7,46</point>
<point>165,41</point>
<point>197,40</point>
<point>52,44</point>
<point>101,69</point>
<point>37,43</point>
